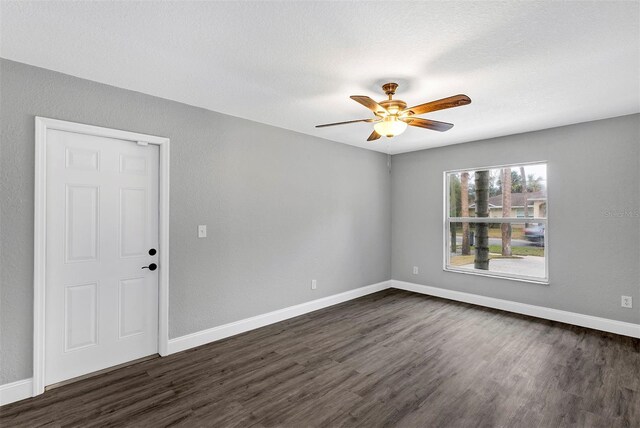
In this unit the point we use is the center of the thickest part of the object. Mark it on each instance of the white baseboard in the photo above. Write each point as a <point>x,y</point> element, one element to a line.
<point>226,330</point>
<point>16,391</point>
<point>596,323</point>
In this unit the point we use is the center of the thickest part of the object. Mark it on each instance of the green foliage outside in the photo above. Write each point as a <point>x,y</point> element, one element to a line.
<point>495,250</point>
<point>534,184</point>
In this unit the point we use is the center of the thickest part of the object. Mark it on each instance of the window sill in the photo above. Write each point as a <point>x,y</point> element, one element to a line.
<point>511,277</point>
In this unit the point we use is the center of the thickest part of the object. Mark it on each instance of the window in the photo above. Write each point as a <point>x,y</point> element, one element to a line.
<point>496,222</point>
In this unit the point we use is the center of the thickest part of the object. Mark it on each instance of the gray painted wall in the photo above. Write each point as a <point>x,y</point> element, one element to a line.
<point>282,208</point>
<point>594,258</point>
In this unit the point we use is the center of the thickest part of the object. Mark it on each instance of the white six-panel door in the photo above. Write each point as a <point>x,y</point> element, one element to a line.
<point>101,306</point>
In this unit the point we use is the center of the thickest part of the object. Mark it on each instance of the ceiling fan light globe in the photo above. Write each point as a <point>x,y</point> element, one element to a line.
<point>390,127</point>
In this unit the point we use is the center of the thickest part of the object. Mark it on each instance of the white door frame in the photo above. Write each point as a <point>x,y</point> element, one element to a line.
<point>40,233</point>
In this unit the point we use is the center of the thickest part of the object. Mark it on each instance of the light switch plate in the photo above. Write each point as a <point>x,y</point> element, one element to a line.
<point>202,231</point>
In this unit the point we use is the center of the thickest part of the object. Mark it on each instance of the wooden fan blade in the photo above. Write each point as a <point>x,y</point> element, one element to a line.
<point>370,104</point>
<point>374,136</point>
<point>434,125</point>
<point>344,123</point>
<point>454,101</point>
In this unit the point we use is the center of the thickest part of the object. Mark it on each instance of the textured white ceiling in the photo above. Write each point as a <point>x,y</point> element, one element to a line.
<point>525,65</point>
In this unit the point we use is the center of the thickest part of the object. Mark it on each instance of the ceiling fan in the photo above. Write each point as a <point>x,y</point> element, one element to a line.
<point>393,116</point>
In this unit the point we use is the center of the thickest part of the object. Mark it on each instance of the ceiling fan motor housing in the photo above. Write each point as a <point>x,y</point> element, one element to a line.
<point>393,106</point>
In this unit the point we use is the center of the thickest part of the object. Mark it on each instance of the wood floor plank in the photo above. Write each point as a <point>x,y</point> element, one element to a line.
<point>389,359</point>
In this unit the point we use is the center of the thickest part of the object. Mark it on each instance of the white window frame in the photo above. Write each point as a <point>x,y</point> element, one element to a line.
<point>448,220</point>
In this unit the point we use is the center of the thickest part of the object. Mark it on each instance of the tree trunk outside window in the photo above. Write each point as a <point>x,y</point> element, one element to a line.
<point>506,211</point>
<point>453,204</point>
<point>525,196</point>
<point>464,192</point>
<point>482,229</point>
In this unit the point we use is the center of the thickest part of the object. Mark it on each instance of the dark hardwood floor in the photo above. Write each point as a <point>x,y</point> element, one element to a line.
<point>393,358</point>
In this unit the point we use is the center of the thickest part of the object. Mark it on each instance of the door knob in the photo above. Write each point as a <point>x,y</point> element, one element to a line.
<point>152,252</point>
<point>152,267</point>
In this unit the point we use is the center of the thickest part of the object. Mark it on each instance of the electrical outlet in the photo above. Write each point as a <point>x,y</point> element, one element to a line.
<point>314,284</point>
<point>202,231</point>
<point>415,270</point>
<point>627,302</point>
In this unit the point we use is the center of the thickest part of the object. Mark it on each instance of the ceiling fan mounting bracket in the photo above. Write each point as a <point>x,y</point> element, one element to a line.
<point>390,89</point>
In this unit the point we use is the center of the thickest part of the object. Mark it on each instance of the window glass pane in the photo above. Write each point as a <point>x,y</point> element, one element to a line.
<point>510,248</point>
<point>523,195</point>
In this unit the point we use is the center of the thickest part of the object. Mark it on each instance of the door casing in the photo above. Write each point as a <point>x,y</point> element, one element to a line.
<point>43,124</point>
